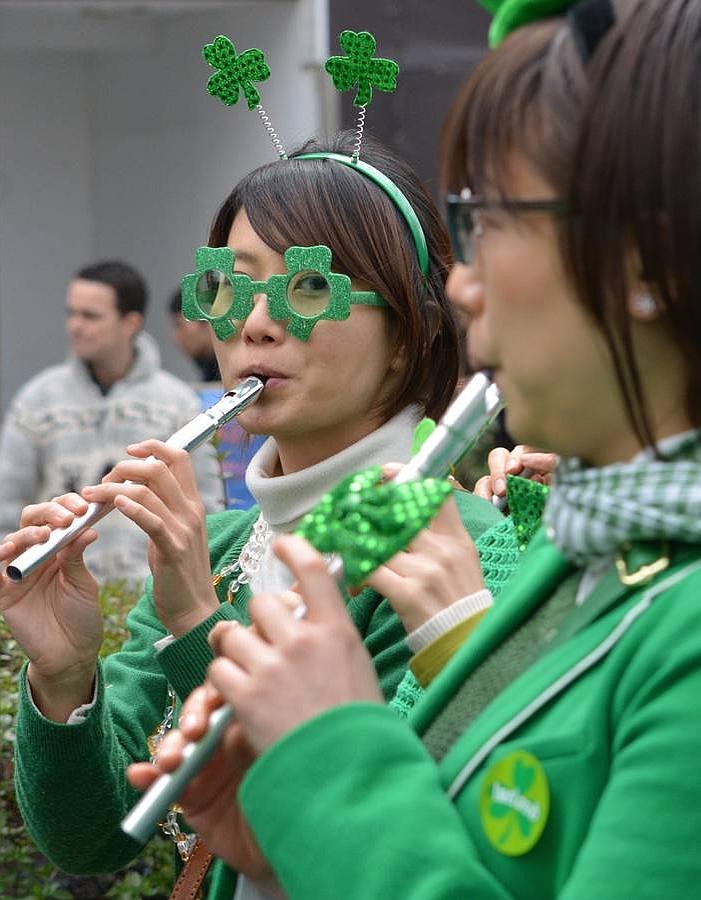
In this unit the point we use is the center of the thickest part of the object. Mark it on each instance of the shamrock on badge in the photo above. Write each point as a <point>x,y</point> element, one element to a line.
<point>515,803</point>
<point>361,67</point>
<point>513,813</point>
<point>237,71</point>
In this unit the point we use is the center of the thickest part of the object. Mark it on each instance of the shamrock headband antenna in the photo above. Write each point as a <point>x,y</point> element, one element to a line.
<point>237,73</point>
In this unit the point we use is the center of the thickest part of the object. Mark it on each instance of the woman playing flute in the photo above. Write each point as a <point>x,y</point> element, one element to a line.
<point>345,388</point>
<point>556,755</point>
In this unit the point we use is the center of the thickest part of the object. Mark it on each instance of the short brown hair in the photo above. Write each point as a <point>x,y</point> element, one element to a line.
<point>616,137</point>
<point>312,201</point>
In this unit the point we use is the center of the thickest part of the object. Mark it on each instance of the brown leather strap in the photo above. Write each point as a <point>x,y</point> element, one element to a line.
<point>188,885</point>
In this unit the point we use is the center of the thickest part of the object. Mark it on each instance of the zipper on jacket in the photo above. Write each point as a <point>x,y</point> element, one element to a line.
<point>565,680</point>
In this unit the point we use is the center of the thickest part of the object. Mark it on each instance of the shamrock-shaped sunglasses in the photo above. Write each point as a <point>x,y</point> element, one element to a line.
<point>309,291</point>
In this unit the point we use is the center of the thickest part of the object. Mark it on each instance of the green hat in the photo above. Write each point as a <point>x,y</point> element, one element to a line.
<point>510,14</point>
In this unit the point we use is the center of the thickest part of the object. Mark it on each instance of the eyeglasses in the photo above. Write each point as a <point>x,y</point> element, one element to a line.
<point>309,291</point>
<point>464,224</point>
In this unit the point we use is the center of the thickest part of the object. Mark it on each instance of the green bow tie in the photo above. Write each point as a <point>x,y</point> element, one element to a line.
<point>366,522</point>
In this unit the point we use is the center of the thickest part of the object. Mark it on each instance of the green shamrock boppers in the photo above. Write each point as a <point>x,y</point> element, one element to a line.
<point>360,67</point>
<point>236,71</point>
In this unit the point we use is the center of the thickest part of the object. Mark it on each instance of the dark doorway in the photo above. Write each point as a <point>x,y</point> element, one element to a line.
<point>436,45</point>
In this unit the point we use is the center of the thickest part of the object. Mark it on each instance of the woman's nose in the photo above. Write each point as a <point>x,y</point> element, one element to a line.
<point>465,290</point>
<point>258,326</point>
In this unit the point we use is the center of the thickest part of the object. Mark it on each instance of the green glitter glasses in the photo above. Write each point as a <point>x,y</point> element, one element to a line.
<point>309,291</point>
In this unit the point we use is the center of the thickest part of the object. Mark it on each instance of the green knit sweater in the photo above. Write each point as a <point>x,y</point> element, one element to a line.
<point>70,779</point>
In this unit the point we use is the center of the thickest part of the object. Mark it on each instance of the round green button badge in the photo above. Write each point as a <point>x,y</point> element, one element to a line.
<point>515,803</point>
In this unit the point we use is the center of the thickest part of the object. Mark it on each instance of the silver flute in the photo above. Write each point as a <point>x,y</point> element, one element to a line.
<point>190,436</point>
<point>462,425</point>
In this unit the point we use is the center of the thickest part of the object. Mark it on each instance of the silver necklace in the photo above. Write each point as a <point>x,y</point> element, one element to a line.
<point>249,560</point>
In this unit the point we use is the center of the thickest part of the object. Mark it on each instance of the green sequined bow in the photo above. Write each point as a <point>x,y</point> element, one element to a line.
<point>366,521</point>
<point>236,71</point>
<point>359,67</point>
<point>526,500</point>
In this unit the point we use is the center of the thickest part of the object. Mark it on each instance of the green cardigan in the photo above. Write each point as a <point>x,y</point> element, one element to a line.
<point>70,779</point>
<point>610,718</point>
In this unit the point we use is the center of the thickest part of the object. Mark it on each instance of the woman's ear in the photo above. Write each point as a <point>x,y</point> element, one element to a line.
<point>397,361</point>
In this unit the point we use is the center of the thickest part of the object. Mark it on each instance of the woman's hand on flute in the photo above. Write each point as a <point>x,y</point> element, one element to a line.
<point>441,565</point>
<point>289,670</point>
<point>163,500</point>
<point>210,801</point>
<point>53,613</point>
<point>522,460</point>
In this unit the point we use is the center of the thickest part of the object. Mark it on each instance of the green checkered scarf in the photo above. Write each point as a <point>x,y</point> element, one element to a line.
<point>592,512</point>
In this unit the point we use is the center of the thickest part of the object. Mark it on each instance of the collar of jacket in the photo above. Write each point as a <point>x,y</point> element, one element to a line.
<point>590,633</point>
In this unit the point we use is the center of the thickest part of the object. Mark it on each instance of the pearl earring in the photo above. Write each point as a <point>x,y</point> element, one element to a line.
<point>644,304</point>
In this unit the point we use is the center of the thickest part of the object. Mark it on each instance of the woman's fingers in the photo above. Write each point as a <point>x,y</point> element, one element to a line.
<point>483,488</point>
<point>18,541</point>
<point>178,461</point>
<point>195,713</point>
<point>57,513</point>
<point>390,470</point>
<point>447,520</point>
<point>142,775</point>
<point>74,550</point>
<point>498,460</point>
<point>528,462</point>
<point>243,645</point>
<point>390,583</point>
<point>167,469</point>
<point>543,464</point>
<point>318,589</point>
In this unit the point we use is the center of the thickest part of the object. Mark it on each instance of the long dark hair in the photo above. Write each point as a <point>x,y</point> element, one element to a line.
<point>308,202</point>
<point>638,187</point>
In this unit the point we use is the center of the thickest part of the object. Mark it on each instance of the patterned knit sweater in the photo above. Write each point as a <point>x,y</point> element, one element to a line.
<point>62,433</point>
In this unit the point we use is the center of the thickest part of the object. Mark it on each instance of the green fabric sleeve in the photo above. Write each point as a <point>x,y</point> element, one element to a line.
<point>477,514</point>
<point>79,771</point>
<point>643,840</point>
<point>355,772</point>
<point>71,779</point>
<point>184,661</point>
<point>625,793</point>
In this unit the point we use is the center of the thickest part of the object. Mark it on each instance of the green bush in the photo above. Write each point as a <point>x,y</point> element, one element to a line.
<point>24,873</point>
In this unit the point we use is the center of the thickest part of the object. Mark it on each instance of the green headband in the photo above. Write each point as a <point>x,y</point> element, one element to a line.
<point>511,14</point>
<point>392,191</point>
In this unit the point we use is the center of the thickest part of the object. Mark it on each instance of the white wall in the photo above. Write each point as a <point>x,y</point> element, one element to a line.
<point>111,147</point>
<point>46,217</point>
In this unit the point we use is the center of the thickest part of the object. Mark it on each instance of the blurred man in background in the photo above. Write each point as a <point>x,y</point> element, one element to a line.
<point>70,424</point>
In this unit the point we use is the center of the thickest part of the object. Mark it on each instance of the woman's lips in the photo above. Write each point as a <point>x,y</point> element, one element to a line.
<point>274,382</point>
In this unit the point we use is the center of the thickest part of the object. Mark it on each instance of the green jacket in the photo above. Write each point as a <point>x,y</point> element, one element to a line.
<point>70,779</point>
<point>351,805</point>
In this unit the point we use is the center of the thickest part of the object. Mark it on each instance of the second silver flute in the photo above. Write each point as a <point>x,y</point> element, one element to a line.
<point>190,436</point>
